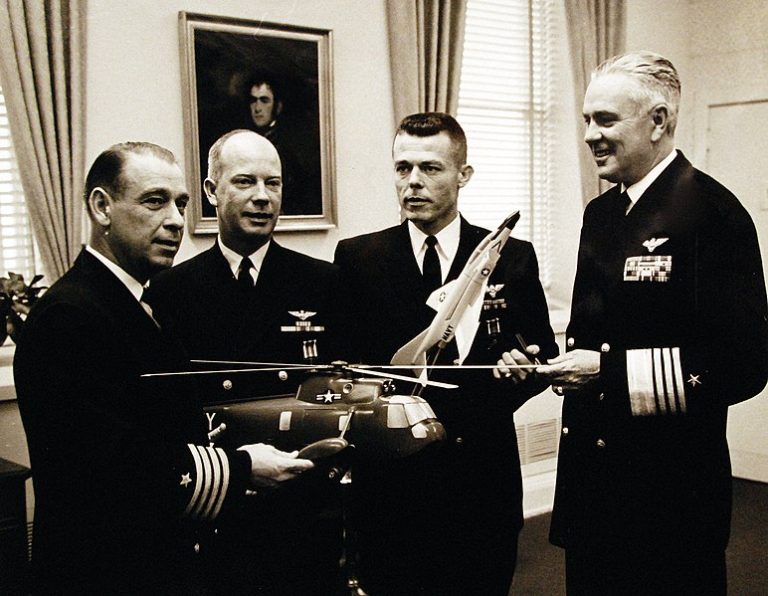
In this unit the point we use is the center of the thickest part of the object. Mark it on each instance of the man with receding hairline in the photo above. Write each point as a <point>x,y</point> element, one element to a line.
<point>668,328</point>
<point>240,301</point>
<point>124,475</point>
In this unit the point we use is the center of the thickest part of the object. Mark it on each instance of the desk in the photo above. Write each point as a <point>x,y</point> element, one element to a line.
<point>13,528</point>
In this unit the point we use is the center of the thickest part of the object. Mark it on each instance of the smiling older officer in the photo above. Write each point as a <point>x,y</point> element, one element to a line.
<point>668,328</point>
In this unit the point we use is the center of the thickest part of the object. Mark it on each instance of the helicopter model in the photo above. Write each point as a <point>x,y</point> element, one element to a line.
<point>342,404</point>
<point>335,405</point>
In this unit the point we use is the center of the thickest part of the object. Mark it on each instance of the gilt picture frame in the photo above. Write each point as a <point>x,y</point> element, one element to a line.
<point>232,71</point>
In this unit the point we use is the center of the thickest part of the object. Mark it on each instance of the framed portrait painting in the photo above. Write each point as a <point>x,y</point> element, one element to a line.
<point>275,80</point>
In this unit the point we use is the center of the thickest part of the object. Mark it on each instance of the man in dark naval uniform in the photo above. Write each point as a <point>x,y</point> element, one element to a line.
<point>248,299</point>
<point>446,523</point>
<point>123,470</point>
<point>668,328</point>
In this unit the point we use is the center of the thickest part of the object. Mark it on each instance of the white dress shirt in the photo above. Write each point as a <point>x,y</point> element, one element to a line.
<point>447,245</point>
<point>234,259</point>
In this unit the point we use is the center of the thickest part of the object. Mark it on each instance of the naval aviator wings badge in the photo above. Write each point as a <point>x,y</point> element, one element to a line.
<point>491,302</point>
<point>303,324</point>
<point>653,243</point>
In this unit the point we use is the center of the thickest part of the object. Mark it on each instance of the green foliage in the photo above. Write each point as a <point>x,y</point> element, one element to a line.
<point>16,298</point>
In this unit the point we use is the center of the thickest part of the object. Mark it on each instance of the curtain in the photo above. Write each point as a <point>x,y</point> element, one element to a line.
<point>426,38</point>
<point>596,31</point>
<point>42,67</point>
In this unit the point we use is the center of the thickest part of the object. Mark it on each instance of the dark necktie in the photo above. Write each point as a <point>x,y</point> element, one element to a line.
<point>625,201</point>
<point>433,276</point>
<point>244,279</point>
<point>147,308</point>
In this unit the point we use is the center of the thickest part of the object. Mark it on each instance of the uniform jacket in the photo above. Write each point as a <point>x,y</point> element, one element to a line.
<point>464,507</point>
<point>121,467</point>
<point>293,302</point>
<point>673,295</point>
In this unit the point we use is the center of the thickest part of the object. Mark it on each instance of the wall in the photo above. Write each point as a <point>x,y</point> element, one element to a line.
<point>134,92</point>
<point>729,67</point>
<point>721,51</point>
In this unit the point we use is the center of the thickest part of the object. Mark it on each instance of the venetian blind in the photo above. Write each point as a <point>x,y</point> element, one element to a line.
<point>17,251</point>
<point>508,106</point>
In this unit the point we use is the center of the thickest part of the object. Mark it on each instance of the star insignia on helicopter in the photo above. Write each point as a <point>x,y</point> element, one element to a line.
<point>302,315</point>
<point>654,243</point>
<point>185,480</point>
<point>328,397</point>
<point>494,289</point>
<point>694,380</point>
<point>485,272</point>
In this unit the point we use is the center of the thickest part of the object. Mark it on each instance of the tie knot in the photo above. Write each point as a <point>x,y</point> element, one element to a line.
<point>626,202</point>
<point>430,241</point>
<point>244,275</point>
<point>246,264</point>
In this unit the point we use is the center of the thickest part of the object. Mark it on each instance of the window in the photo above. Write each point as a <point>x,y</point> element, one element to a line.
<point>17,250</point>
<point>511,103</point>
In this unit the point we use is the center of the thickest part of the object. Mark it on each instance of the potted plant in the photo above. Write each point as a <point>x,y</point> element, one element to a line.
<point>16,298</point>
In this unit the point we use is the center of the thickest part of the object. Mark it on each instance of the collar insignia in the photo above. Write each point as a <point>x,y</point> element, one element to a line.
<point>654,243</point>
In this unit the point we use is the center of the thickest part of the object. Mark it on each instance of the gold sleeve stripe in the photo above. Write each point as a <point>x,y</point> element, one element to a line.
<point>224,484</point>
<point>214,481</point>
<point>198,480</point>
<point>206,482</point>
<point>679,382</point>
<point>655,381</point>
<point>211,482</point>
<point>660,380</point>
<point>640,381</point>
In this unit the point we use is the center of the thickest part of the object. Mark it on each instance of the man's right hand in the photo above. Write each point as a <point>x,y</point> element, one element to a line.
<point>270,466</point>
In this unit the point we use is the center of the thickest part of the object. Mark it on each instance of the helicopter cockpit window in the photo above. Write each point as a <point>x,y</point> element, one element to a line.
<point>418,412</point>
<point>396,416</point>
<point>403,412</point>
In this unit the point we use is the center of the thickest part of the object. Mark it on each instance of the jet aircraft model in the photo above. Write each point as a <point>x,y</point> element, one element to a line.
<point>458,303</point>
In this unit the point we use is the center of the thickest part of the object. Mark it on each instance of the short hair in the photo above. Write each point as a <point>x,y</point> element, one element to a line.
<point>214,153</point>
<point>107,169</point>
<point>427,124</point>
<point>264,78</point>
<point>657,76</point>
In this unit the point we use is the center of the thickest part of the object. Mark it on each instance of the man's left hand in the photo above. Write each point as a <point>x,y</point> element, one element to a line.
<point>572,370</point>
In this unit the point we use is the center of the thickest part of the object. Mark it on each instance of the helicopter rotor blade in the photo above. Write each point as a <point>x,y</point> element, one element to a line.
<point>444,366</point>
<point>232,370</point>
<point>275,365</point>
<point>375,373</point>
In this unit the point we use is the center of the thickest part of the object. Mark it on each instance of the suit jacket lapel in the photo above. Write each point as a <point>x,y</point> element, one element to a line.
<point>468,240</point>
